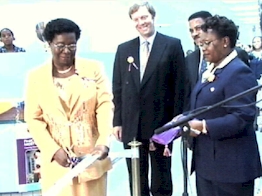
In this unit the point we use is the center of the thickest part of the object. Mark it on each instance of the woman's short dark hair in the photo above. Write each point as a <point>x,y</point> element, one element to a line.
<point>223,27</point>
<point>6,29</point>
<point>59,26</point>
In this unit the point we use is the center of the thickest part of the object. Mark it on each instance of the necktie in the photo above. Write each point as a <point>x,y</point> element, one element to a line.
<point>144,58</point>
<point>203,68</point>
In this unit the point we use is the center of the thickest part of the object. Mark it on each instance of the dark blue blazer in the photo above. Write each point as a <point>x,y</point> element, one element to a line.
<point>229,152</point>
<point>141,107</point>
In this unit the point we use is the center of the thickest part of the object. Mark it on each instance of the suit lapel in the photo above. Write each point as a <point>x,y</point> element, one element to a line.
<point>155,55</point>
<point>195,66</point>
<point>135,73</point>
<point>198,87</point>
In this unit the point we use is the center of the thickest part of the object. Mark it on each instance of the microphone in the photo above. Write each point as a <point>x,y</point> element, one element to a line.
<point>164,128</point>
<point>185,119</point>
<point>179,122</point>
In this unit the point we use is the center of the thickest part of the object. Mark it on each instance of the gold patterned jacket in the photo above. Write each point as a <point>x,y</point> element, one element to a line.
<point>85,123</point>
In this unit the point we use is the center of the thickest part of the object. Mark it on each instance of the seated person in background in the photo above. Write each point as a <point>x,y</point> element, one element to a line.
<point>7,37</point>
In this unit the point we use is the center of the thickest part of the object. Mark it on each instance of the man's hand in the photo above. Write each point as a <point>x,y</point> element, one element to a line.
<point>101,150</point>
<point>117,132</point>
<point>61,157</point>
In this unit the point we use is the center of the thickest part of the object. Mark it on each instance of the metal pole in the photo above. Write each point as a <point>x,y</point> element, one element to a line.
<point>185,135</point>
<point>135,165</point>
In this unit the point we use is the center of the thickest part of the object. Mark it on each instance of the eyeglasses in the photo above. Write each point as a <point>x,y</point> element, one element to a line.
<point>206,43</point>
<point>71,47</point>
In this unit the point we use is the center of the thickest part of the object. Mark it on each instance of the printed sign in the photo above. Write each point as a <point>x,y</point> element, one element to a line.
<point>28,161</point>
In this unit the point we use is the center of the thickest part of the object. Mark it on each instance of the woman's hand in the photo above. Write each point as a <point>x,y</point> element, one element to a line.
<point>194,133</point>
<point>196,127</point>
<point>196,124</point>
<point>102,151</point>
<point>61,157</point>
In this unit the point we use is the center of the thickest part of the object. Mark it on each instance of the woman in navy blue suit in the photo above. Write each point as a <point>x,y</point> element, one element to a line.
<point>225,153</point>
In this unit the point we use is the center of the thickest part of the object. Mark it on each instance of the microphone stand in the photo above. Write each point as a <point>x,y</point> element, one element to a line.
<point>183,123</point>
<point>185,134</point>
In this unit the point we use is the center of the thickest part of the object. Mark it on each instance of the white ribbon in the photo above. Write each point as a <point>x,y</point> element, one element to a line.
<point>85,163</point>
<point>65,180</point>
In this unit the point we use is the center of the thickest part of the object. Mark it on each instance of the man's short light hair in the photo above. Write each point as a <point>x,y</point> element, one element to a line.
<point>136,6</point>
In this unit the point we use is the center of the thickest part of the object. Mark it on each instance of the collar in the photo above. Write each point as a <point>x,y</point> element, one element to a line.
<point>150,39</point>
<point>14,47</point>
<point>209,73</point>
<point>226,60</point>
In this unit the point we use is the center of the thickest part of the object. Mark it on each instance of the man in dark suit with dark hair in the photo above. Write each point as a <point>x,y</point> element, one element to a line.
<point>195,59</point>
<point>148,88</point>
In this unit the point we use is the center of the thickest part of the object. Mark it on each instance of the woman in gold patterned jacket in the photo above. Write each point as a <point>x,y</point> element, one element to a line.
<point>69,110</point>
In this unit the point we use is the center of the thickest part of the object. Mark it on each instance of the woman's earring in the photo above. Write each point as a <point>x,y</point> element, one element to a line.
<point>225,46</point>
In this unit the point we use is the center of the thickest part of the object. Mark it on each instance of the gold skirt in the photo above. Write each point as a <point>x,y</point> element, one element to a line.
<point>96,187</point>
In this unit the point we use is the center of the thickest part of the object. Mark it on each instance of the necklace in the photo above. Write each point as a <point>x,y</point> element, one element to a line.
<point>64,71</point>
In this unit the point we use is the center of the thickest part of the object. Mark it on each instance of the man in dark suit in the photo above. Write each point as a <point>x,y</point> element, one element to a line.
<point>148,92</point>
<point>194,60</point>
